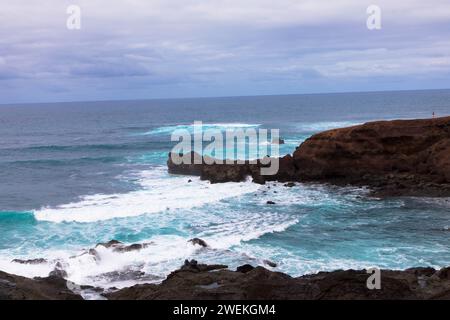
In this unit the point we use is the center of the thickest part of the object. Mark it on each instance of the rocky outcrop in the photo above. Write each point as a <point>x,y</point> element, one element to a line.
<point>395,157</point>
<point>14,287</point>
<point>118,246</point>
<point>248,283</point>
<point>401,157</point>
<point>196,281</point>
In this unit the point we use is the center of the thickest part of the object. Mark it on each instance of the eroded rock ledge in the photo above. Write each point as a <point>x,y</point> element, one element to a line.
<point>13,287</point>
<point>201,282</point>
<point>393,158</point>
<point>194,281</point>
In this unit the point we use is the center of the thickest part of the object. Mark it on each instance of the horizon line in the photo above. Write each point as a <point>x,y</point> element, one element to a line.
<point>219,97</point>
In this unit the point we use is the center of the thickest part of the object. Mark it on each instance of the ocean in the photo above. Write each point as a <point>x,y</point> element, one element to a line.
<point>76,174</point>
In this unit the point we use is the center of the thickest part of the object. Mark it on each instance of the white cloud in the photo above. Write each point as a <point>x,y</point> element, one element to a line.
<point>190,40</point>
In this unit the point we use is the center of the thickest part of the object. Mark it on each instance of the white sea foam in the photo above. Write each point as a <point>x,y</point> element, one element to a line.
<point>159,192</point>
<point>326,125</point>
<point>190,127</point>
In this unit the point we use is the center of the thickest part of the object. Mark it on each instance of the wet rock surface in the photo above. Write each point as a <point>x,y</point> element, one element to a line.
<point>198,282</point>
<point>118,246</point>
<point>14,287</point>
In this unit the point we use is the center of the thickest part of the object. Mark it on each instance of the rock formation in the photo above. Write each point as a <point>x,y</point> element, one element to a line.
<point>247,283</point>
<point>14,287</point>
<point>393,158</point>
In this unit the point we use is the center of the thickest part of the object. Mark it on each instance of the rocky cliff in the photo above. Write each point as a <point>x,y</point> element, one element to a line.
<point>401,157</point>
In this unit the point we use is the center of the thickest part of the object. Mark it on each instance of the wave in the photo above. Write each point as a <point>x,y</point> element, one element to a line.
<point>206,126</point>
<point>159,192</point>
<point>164,253</point>
<point>92,147</point>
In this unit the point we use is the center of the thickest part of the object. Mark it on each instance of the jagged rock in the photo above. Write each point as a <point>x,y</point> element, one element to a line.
<point>249,283</point>
<point>194,266</point>
<point>270,202</point>
<point>14,287</point>
<point>30,261</point>
<point>290,184</point>
<point>118,246</point>
<point>245,268</point>
<point>199,242</point>
<point>58,271</point>
<point>109,244</point>
<point>270,263</point>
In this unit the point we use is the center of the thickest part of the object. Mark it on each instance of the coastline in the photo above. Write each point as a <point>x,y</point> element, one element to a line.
<point>392,158</point>
<point>195,281</point>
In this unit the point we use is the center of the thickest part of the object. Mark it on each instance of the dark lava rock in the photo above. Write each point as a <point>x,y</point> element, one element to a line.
<point>58,271</point>
<point>245,268</point>
<point>270,202</point>
<point>290,184</point>
<point>199,242</point>
<point>118,246</point>
<point>248,283</point>
<point>30,261</point>
<point>270,263</point>
<point>14,287</point>
<point>109,244</point>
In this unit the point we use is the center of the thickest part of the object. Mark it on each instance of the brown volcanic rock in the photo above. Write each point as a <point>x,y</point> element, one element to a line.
<point>216,172</point>
<point>403,156</point>
<point>14,287</point>
<point>400,157</point>
<point>259,283</point>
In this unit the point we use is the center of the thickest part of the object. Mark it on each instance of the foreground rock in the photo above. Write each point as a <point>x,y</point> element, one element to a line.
<point>393,158</point>
<point>199,282</point>
<point>14,287</point>
<point>195,281</point>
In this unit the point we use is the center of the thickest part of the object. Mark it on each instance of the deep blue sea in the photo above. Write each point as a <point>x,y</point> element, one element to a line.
<point>75,174</point>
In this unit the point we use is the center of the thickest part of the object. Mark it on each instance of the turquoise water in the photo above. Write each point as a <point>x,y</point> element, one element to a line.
<point>76,174</point>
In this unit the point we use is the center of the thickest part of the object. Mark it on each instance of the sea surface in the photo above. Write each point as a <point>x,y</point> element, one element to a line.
<point>76,174</point>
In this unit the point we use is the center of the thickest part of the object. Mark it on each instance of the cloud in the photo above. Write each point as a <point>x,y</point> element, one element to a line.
<point>214,47</point>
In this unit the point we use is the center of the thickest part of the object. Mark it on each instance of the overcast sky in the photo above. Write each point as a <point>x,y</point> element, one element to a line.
<point>137,49</point>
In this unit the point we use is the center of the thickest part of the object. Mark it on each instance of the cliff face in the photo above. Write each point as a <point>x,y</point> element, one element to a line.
<point>412,156</point>
<point>420,147</point>
<point>401,157</point>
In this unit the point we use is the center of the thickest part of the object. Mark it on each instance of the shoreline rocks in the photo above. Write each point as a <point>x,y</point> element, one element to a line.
<point>196,281</point>
<point>13,287</point>
<point>392,158</point>
<point>257,283</point>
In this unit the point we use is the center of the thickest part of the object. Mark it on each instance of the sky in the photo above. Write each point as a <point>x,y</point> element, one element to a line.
<point>140,49</point>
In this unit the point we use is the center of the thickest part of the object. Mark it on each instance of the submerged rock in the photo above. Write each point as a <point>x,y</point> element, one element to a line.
<point>270,263</point>
<point>118,246</point>
<point>199,242</point>
<point>30,261</point>
<point>245,268</point>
